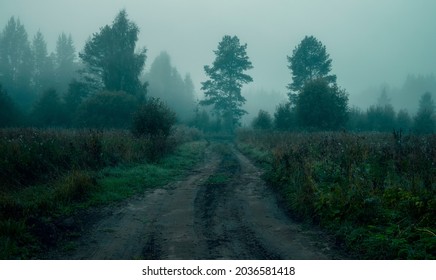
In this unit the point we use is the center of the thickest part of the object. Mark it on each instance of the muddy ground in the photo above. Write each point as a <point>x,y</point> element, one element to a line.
<point>221,210</point>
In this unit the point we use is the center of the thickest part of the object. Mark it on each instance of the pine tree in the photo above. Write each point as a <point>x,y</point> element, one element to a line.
<point>226,78</point>
<point>309,61</point>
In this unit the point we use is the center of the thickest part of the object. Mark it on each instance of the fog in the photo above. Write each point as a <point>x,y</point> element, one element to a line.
<point>371,43</point>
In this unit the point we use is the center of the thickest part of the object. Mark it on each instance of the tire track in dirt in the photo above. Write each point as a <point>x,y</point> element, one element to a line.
<point>222,210</point>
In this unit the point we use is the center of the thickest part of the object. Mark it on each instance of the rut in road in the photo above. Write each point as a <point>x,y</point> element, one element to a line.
<point>222,210</point>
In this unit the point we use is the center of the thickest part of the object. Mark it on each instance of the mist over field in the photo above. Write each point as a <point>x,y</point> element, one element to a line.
<point>372,43</point>
<point>232,129</point>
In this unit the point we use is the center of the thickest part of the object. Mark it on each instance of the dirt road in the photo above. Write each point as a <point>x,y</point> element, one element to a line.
<point>222,210</point>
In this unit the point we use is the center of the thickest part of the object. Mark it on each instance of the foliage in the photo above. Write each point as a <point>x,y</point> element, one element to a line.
<point>309,61</point>
<point>425,119</point>
<point>16,63</point>
<point>374,192</point>
<point>284,117</point>
<point>263,120</point>
<point>322,106</point>
<point>65,61</point>
<point>166,83</point>
<point>107,110</point>
<point>154,118</point>
<point>43,68</point>
<point>403,121</point>
<point>47,176</point>
<point>380,118</point>
<point>110,60</point>
<point>9,114</point>
<point>48,110</point>
<point>226,78</point>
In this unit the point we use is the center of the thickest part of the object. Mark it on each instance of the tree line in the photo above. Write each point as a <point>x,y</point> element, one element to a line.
<point>106,87</point>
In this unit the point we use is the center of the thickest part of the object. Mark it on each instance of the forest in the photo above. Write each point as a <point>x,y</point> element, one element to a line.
<point>86,128</point>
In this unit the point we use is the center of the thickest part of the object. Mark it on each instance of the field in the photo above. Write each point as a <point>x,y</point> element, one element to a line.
<point>47,176</point>
<point>375,193</point>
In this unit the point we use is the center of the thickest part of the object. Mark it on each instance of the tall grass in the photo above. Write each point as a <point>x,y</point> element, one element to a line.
<point>46,174</point>
<point>375,192</point>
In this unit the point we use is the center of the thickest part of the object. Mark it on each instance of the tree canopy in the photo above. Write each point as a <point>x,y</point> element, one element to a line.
<point>322,106</point>
<point>110,59</point>
<point>226,78</point>
<point>166,83</point>
<point>309,61</point>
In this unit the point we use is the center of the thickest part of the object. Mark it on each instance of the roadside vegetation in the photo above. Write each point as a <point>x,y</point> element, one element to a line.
<point>375,192</point>
<point>48,176</point>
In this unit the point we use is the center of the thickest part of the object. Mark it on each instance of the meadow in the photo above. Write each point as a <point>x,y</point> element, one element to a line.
<point>49,175</point>
<point>375,193</point>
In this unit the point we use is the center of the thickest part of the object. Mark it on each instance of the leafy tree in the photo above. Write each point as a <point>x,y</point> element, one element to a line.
<point>322,106</point>
<point>424,121</point>
<point>43,70</point>
<point>226,78</point>
<point>309,61</point>
<point>48,110</point>
<point>284,117</point>
<point>153,118</point>
<point>107,110</point>
<point>263,120</point>
<point>110,60</point>
<point>166,83</point>
<point>65,58</point>
<point>381,118</point>
<point>16,63</point>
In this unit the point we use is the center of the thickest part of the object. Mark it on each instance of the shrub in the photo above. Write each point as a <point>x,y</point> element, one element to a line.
<point>153,118</point>
<point>107,110</point>
<point>284,117</point>
<point>263,120</point>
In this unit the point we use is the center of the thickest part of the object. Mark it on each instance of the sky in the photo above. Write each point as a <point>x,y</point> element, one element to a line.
<point>370,42</point>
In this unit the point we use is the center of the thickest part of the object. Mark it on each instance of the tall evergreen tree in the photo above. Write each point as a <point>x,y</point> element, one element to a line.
<point>166,83</point>
<point>16,62</point>
<point>226,78</point>
<point>43,70</point>
<point>110,59</point>
<point>309,61</point>
<point>65,58</point>
<point>425,119</point>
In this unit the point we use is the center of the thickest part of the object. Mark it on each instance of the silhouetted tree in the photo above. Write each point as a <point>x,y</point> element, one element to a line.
<point>65,58</point>
<point>322,106</point>
<point>309,61</point>
<point>77,92</point>
<point>263,120</point>
<point>166,83</point>
<point>381,118</point>
<point>201,119</point>
<point>48,110</point>
<point>424,121</point>
<point>43,70</point>
<point>110,60</point>
<point>16,63</point>
<point>284,117</point>
<point>226,78</point>
<point>404,121</point>
<point>9,114</point>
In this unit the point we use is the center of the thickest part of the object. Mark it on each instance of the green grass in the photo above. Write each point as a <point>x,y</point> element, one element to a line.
<point>27,214</point>
<point>375,193</point>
